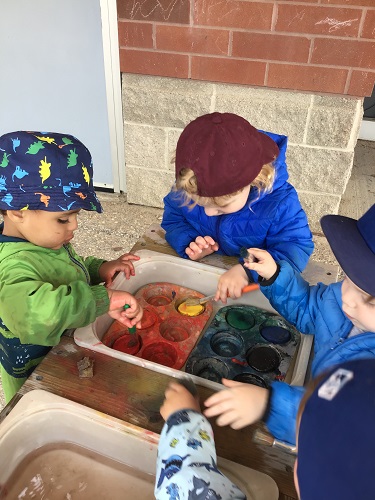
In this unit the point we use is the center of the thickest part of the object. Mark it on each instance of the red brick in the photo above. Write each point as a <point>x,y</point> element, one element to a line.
<point>270,47</point>
<point>169,11</point>
<point>307,78</point>
<point>350,3</point>
<point>135,35</point>
<point>197,40</point>
<point>154,63</point>
<point>217,69</point>
<point>361,83</point>
<point>318,20</point>
<point>351,53</point>
<point>368,30</point>
<point>232,13</point>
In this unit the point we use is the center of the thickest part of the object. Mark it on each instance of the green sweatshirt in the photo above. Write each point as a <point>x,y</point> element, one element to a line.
<point>42,293</point>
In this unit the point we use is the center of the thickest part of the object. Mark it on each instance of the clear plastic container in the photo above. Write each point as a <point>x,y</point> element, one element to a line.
<point>51,447</point>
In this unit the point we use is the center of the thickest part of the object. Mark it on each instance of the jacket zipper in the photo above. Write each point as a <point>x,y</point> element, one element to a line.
<point>77,263</point>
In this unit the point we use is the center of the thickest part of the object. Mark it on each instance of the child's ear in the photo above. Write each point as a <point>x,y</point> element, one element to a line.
<point>16,216</point>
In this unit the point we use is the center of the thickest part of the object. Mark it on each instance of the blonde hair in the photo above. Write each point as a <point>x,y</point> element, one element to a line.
<point>186,183</point>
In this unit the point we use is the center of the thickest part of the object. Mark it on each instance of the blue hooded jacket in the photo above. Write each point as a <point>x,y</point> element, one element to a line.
<point>313,310</point>
<point>275,221</point>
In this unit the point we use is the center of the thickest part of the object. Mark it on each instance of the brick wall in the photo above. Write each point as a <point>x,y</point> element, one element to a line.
<point>308,45</point>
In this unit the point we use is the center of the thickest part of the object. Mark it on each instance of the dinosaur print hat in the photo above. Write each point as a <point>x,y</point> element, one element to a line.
<point>45,171</point>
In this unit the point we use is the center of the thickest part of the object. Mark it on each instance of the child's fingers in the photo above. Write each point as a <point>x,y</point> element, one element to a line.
<point>209,241</point>
<point>228,418</point>
<point>219,398</point>
<point>201,242</point>
<point>195,248</point>
<point>129,256</point>
<point>258,252</point>
<point>231,383</point>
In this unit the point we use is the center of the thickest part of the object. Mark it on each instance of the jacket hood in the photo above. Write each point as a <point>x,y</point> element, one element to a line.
<point>281,169</point>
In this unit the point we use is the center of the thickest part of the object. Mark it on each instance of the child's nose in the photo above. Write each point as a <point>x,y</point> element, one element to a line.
<point>210,211</point>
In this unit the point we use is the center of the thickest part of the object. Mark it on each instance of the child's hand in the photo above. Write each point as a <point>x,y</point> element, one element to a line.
<point>177,397</point>
<point>201,247</point>
<point>231,284</point>
<point>128,317</point>
<point>265,265</point>
<point>238,406</point>
<point>124,263</point>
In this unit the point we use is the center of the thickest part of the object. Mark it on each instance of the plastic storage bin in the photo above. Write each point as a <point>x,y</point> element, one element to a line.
<point>51,447</point>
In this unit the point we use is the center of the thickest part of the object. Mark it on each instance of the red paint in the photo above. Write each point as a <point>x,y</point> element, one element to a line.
<point>238,362</point>
<point>166,336</point>
<point>128,343</point>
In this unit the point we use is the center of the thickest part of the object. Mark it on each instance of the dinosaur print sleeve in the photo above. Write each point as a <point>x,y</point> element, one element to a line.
<point>186,465</point>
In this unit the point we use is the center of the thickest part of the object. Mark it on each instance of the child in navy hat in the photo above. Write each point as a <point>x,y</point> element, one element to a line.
<point>45,287</point>
<point>335,441</point>
<point>341,316</point>
<point>231,191</point>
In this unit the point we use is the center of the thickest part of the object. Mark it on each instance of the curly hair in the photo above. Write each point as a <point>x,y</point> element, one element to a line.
<point>186,183</point>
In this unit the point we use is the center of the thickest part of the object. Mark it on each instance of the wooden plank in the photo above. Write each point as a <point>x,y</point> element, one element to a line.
<point>134,394</point>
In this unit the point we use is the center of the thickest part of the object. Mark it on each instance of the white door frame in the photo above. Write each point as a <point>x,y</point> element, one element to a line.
<point>367,130</point>
<point>108,10</point>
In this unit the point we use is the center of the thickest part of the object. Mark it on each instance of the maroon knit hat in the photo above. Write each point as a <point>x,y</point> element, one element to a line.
<point>224,151</point>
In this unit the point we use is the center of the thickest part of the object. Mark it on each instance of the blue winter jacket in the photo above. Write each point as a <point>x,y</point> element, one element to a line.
<point>315,310</point>
<point>275,222</point>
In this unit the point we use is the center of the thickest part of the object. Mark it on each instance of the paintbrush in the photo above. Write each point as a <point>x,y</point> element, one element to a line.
<point>192,301</point>
<point>266,439</point>
<point>188,384</point>
<point>132,329</point>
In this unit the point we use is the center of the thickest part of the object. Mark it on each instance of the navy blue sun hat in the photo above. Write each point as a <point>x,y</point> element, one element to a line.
<point>353,243</point>
<point>45,171</point>
<point>336,436</point>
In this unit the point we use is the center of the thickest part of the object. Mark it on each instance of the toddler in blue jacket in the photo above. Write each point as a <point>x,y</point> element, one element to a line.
<point>231,191</point>
<point>341,316</point>
<point>335,428</point>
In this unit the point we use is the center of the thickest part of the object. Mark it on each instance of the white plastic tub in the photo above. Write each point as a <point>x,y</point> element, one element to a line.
<point>156,267</point>
<point>51,447</point>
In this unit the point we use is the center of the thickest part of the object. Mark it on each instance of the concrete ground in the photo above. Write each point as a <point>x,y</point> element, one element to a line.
<point>115,231</point>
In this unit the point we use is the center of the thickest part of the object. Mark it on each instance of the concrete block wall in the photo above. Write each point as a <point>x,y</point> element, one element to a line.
<point>322,132</point>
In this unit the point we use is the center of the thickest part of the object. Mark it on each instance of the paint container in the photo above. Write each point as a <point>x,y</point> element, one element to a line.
<point>166,335</point>
<point>247,344</point>
<point>83,453</point>
<point>129,343</point>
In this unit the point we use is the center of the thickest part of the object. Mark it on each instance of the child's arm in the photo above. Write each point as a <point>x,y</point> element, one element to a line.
<point>128,317</point>
<point>179,233</point>
<point>289,238</point>
<point>239,405</point>
<point>244,404</point>
<point>201,247</point>
<point>231,283</point>
<point>186,462</point>
<point>108,270</point>
<point>291,295</point>
<point>101,270</point>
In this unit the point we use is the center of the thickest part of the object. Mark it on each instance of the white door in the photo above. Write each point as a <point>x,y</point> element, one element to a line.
<point>367,130</point>
<point>58,73</point>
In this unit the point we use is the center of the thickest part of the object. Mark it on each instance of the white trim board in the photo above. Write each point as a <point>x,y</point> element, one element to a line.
<point>367,130</point>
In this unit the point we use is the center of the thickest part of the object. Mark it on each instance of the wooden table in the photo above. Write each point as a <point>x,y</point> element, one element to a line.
<point>134,394</point>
